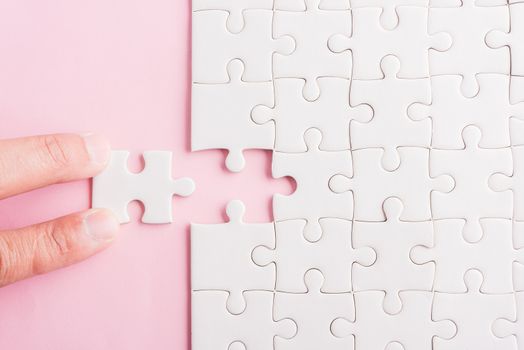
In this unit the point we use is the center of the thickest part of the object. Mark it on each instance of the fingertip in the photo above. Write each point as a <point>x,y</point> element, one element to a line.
<point>101,225</point>
<point>98,148</point>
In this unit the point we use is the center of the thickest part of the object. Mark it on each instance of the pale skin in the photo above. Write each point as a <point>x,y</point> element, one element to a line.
<point>33,162</point>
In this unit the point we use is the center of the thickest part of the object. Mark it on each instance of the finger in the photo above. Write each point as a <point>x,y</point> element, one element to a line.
<point>51,245</point>
<point>32,162</point>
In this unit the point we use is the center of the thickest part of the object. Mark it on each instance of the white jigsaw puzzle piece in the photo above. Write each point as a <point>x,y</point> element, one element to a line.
<point>389,16</point>
<point>469,54</point>
<point>313,312</point>
<point>213,327</point>
<point>221,257</point>
<point>116,187</point>
<point>515,182</point>
<point>474,313</point>
<point>390,127</point>
<point>312,199</point>
<point>518,267</point>
<point>371,184</point>
<point>506,328</point>
<point>392,241</point>
<point>221,116</point>
<point>472,198</point>
<point>498,39</point>
<point>292,115</point>
<point>214,46</point>
<point>333,255</point>
<point>236,8</point>
<point>411,329</point>
<point>312,58</point>
<point>451,112</point>
<point>452,256</point>
<point>409,41</point>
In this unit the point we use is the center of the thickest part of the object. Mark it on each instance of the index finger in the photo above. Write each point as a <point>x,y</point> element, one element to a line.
<point>32,162</point>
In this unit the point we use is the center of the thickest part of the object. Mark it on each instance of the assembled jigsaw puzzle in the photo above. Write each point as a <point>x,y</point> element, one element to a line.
<point>402,122</point>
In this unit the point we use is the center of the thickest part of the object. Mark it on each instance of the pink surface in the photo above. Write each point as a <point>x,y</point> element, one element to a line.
<point>121,68</point>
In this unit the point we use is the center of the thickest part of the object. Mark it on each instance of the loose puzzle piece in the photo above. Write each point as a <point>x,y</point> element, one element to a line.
<point>333,255</point>
<point>213,327</point>
<point>469,54</point>
<point>471,199</point>
<point>389,16</point>
<point>451,112</point>
<point>214,46</point>
<point>515,327</point>
<point>116,187</point>
<point>390,127</point>
<point>452,256</point>
<point>221,116</point>
<point>312,199</point>
<point>236,8</point>
<point>313,312</point>
<point>292,115</point>
<point>409,41</point>
<point>515,182</point>
<point>312,58</point>
<point>371,184</point>
<point>499,39</point>
<point>474,313</point>
<point>392,241</point>
<point>411,329</point>
<point>221,257</point>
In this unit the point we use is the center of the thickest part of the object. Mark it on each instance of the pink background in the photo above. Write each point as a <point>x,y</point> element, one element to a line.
<point>120,68</point>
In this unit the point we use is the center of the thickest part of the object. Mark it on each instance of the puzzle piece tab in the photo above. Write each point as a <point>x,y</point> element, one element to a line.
<point>116,187</point>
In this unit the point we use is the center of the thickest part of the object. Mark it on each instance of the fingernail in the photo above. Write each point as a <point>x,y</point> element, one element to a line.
<point>101,224</point>
<point>97,147</point>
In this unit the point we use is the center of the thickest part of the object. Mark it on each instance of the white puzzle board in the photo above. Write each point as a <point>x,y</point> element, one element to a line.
<point>402,122</point>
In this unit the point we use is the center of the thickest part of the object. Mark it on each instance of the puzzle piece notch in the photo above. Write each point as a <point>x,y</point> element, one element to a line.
<point>474,313</point>
<point>389,16</point>
<point>497,39</point>
<point>213,327</point>
<point>235,8</point>
<point>371,184</point>
<point>503,328</point>
<point>313,312</point>
<point>312,199</point>
<point>501,182</point>
<point>450,111</point>
<point>392,241</point>
<point>312,58</point>
<point>214,46</point>
<point>292,115</point>
<point>469,54</point>
<point>221,116</point>
<point>453,256</point>
<point>374,329</point>
<point>476,166</point>
<point>390,126</point>
<point>221,257</point>
<point>154,187</point>
<point>409,41</point>
<point>333,255</point>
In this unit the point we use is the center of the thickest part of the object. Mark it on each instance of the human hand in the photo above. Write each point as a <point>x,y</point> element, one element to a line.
<point>33,162</point>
